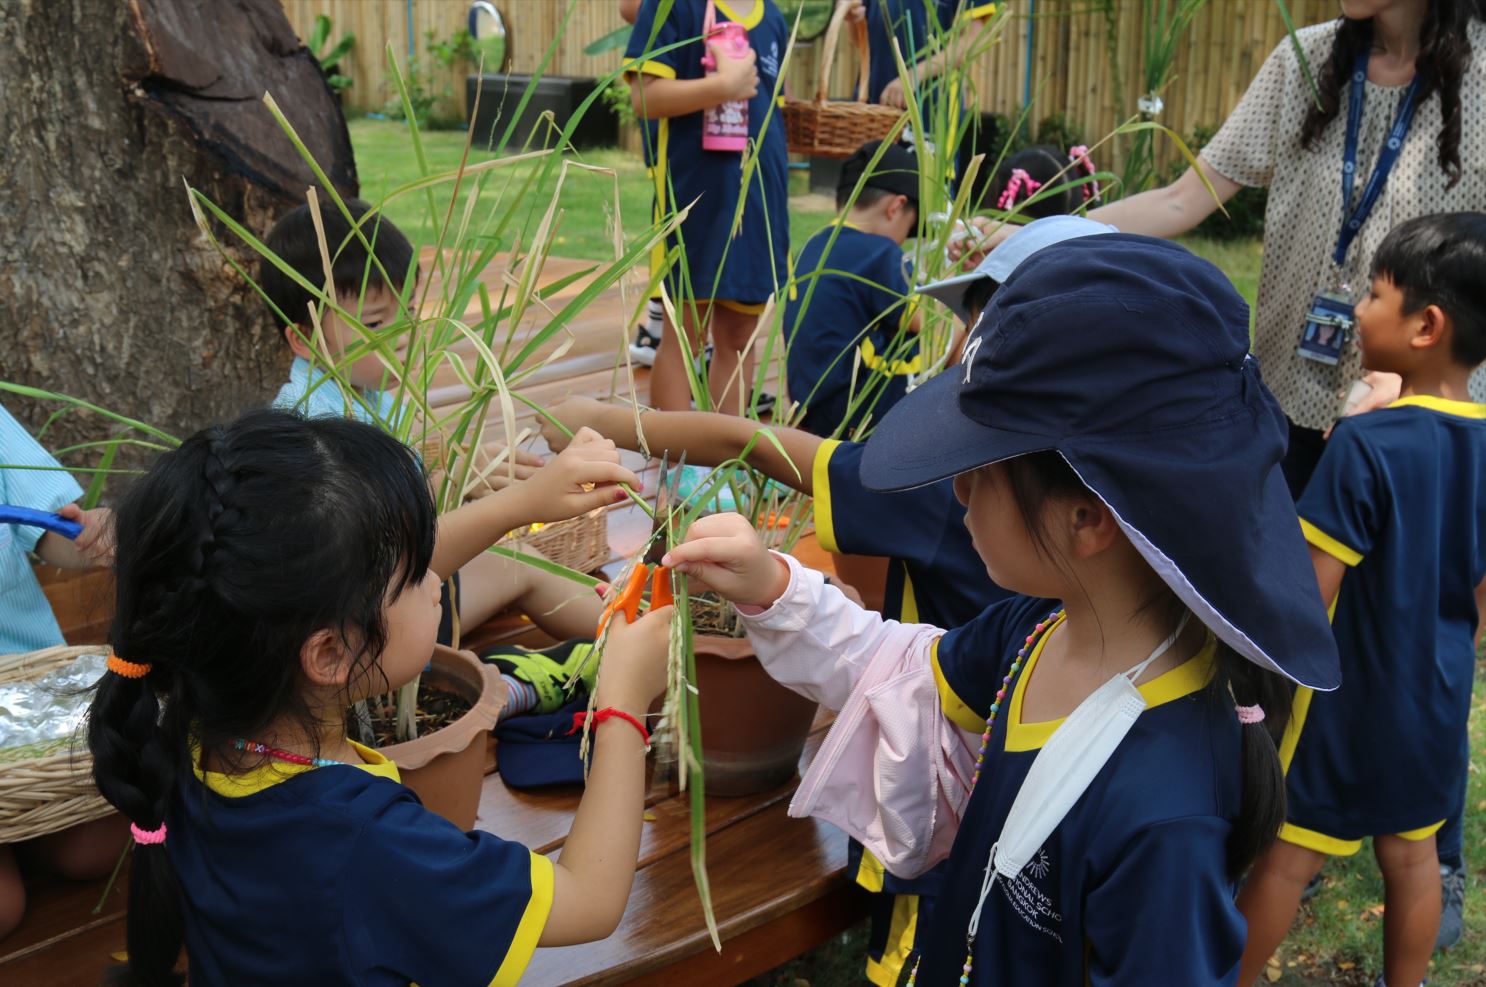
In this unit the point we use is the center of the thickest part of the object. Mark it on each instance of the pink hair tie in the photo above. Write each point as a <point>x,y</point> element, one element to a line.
<point>148,837</point>
<point>1248,715</point>
<point>1079,155</point>
<point>1019,180</point>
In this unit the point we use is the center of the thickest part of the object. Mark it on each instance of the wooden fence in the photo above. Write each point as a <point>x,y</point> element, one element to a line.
<point>1070,71</point>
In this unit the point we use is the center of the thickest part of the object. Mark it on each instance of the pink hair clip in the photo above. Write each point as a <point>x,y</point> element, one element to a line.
<point>148,837</point>
<point>1019,180</point>
<point>1248,715</point>
<point>1079,155</point>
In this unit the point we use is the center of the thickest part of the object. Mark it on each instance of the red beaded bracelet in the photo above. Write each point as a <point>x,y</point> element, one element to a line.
<point>610,713</point>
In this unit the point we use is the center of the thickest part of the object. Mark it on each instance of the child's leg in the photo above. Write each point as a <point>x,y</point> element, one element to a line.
<point>12,893</point>
<point>86,852</point>
<point>669,387</point>
<point>1269,900</point>
<point>731,374</point>
<point>1411,906</point>
<point>489,584</point>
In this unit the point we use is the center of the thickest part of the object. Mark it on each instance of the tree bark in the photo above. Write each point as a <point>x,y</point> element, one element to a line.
<point>108,291</point>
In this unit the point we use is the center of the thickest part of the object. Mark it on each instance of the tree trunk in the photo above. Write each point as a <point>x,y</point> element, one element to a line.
<point>108,291</point>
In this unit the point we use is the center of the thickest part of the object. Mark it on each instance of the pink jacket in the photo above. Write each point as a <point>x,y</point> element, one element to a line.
<point>894,772</point>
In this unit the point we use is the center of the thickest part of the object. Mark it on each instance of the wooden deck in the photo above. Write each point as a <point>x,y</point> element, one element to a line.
<point>776,882</point>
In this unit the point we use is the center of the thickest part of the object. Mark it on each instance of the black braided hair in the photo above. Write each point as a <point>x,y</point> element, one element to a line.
<point>1444,59</point>
<point>232,551</point>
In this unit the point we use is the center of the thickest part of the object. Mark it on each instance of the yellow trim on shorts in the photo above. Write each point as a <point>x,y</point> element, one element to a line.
<point>870,873</point>
<point>745,308</point>
<point>901,932</point>
<point>1335,847</point>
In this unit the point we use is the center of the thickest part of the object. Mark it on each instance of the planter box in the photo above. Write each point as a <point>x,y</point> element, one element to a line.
<point>562,95</point>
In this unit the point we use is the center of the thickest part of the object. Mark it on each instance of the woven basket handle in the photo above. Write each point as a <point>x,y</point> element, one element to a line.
<point>828,54</point>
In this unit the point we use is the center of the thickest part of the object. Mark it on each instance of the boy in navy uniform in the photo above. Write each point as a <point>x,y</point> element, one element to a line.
<point>1396,518</point>
<point>852,338</point>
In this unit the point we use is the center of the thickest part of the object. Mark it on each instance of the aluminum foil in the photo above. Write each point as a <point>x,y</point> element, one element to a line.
<point>51,707</point>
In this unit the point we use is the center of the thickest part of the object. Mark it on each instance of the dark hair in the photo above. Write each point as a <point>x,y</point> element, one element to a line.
<point>352,270</point>
<point>1439,260</point>
<point>1042,476</point>
<point>1444,59</point>
<point>1042,163</point>
<point>978,294</point>
<point>869,196</point>
<point>232,551</point>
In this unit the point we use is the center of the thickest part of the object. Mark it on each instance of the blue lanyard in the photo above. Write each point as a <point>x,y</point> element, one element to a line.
<point>1386,158</point>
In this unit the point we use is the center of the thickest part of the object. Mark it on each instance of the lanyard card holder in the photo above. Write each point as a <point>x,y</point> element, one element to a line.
<point>1328,326</point>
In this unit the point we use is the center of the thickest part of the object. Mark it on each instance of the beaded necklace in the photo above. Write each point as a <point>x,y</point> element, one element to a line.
<point>275,754</point>
<point>985,744</point>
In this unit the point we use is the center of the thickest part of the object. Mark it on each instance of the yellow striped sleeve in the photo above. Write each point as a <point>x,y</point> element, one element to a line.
<point>820,475</point>
<point>651,67</point>
<point>954,707</point>
<point>1342,553</point>
<point>524,943</point>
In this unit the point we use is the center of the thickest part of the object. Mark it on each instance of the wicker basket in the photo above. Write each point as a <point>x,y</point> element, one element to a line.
<point>54,789</point>
<point>580,543</point>
<point>826,129</point>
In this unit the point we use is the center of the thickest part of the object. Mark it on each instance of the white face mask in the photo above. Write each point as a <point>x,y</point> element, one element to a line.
<point>1064,768</point>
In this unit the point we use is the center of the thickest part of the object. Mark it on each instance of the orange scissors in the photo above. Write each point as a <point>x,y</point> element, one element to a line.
<point>629,600</point>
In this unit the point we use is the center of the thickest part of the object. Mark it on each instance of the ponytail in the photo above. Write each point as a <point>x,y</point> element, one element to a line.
<point>1261,700</point>
<point>135,767</point>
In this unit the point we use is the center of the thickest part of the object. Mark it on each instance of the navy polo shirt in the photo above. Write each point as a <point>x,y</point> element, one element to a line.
<point>857,294</point>
<point>908,21</point>
<point>1399,496</point>
<point>338,875</point>
<point>935,576</point>
<point>1132,886</point>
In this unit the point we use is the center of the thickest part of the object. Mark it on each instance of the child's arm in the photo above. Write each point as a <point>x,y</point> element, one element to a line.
<point>556,492</point>
<point>893,771</point>
<point>1329,572</point>
<point>93,549</point>
<point>592,877</point>
<point>707,438</point>
<point>654,96</point>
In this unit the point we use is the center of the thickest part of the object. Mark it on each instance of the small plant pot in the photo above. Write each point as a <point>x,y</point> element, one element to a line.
<point>753,728</point>
<point>447,767</point>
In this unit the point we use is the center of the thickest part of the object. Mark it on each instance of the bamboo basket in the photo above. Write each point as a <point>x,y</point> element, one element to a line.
<point>53,789</point>
<point>824,128</point>
<point>580,543</point>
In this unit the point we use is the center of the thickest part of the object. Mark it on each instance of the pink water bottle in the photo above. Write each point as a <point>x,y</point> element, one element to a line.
<point>724,127</point>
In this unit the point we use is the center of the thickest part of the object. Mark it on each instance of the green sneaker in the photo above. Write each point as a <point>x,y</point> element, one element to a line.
<point>553,672</point>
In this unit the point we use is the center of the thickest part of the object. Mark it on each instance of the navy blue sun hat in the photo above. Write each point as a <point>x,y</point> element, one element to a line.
<point>1129,356</point>
<point>536,750</point>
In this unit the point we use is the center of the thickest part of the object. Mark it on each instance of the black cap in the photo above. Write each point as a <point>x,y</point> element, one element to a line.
<point>896,171</point>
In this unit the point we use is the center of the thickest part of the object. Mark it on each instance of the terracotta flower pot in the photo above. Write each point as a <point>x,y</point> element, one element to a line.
<point>753,728</point>
<point>447,767</point>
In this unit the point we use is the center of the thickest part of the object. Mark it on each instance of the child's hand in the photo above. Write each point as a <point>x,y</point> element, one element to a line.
<point>892,95</point>
<point>737,77</point>
<point>857,10</point>
<point>574,413</point>
<point>725,553</point>
<point>636,658</point>
<point>586,475</point>
<point>96,543</point>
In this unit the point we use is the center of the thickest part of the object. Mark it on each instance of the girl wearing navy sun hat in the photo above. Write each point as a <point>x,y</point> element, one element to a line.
<point>1096,756</point>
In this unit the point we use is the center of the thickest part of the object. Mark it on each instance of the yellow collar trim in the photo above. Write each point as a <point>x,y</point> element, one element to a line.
<point>1445,406</point>
<point>271,773</point>
<point>749,22</point>
<point>1183,680</point>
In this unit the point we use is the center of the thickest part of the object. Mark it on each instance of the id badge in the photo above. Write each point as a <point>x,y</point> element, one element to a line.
<point>1328,326</point>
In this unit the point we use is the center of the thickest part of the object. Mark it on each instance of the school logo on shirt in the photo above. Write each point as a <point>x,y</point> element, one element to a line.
<point>1027,895</point>
<point>770,62</point>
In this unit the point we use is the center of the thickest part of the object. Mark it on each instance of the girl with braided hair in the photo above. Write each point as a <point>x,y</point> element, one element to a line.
<point>270,573</point>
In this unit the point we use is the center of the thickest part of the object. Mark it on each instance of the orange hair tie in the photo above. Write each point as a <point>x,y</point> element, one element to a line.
<point>128,669</point>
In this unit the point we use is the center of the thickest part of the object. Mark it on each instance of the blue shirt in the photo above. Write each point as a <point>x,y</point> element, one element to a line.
<point>935,576</point>
<point>1131,887</point>
<point>1399,496</point>
<point>26,620</point>
<point>909,22</point>
<point>315,394</point>
<point>856,291</point>
<point>338,875</point>
<point>747,266</point>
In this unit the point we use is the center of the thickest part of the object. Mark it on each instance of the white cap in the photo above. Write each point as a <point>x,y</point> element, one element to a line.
<point>1008,256</point>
